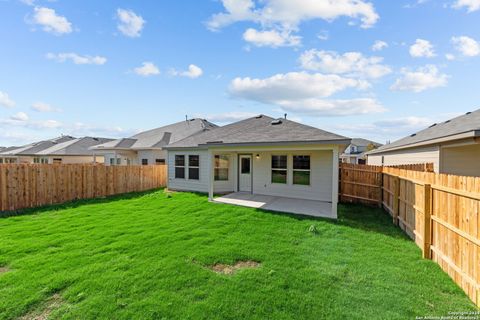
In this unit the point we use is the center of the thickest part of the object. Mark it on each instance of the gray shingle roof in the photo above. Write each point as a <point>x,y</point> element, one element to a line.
<point>462,124</point>
<point>78,147</point>
<point>159,137</point>
<point>33,148</point>
<point>259,130</point>
<point>360,142</point>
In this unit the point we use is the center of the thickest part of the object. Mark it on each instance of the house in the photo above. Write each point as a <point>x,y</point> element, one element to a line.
<point>72,151</point>
<point>64,149</point>
<point>148,147</point>
<point>452,146</point>
<point>27,153</point>
<point>275,164</point>
<point>355,152</point>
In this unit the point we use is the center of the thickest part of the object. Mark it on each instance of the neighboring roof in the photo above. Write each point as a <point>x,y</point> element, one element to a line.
<point>360,142</point>
<point>467,125</point>
<point>77,147</point>
<point>159,137</point>
<point>33,148</point>
<point>260,130</point>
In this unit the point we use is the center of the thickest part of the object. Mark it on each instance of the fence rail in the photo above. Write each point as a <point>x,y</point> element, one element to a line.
<point>439,212</point>
<point>33,185</point>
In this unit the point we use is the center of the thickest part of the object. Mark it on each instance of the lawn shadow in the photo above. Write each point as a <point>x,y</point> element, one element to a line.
<point>76,203</point>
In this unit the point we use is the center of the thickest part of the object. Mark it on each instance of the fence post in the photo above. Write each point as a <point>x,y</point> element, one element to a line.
<point>427,222</point>
<point>395,200</point>
<point>380,198</point>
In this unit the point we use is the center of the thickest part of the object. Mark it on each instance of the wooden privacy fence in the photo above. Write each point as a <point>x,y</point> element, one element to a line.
<point>33,185</point>
<point>439,212</point>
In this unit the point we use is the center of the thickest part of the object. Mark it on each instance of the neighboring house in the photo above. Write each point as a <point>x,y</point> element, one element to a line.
<point>147,147</point>
<point>72,151</point>
<point>452,146</point>
<point>27,153</point>
<point>262,156</point>
<point>355,152</point>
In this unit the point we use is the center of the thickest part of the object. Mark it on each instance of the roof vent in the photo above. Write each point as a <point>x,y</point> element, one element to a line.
<point>468,112</point>
<point>213,142</point>
<point>275,122</point>
<point>413,135</point>
<point>259,116</point>
<point>448,121</point>
<point>433,125</point>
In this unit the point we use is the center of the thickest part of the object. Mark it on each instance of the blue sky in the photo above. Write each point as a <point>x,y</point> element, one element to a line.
<point>112,68</point>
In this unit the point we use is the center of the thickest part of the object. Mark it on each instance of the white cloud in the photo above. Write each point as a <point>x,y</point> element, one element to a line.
<point>130,23</point>
<point>423,78</point>
<point>350,63</point>
<point>193,72</point>
<point>271,38</point>
<point>303,92</point>
<point>321,107</point>
<point>292,86</point>
<point>471,5</point>
<point>20,116</point>
<point>76,58</point>
<point>228,117</point>
<point>379,45</point>
<point>6,101</point>
<point>285,16</point>
<point>44,107</point>
<point>147,69</point>
<point>466,46</point>
<point>323,35</point>
<point>449,56</point>
<point>28,2</point>
<point>422,48</point>
<point>50,21</point>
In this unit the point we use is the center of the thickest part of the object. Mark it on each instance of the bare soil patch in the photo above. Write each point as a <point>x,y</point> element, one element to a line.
<point>4,269</point>
<point>43,313</point>
<point>231,269</point>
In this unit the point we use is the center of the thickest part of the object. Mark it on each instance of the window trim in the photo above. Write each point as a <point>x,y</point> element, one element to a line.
<point>279,169</point>
<point>194,167</point>
<point>176,166</point>
<point>302,170</point>
<point>215,167</point>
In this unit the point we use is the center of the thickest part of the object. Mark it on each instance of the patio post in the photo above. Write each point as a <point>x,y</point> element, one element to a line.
<point>211,174</point>
<point>335,181</point>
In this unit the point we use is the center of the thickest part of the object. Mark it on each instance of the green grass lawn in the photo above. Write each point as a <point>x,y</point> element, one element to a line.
<point>147,256</point>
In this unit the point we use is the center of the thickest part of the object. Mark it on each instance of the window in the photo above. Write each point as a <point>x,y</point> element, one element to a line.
<point>301,170</point>
<point>279,169</point>
<point>1,160</point>
<point>245,166</point>
<point>40,160</point>
<point>144,162</point>
<point>193,167</point>
<point>221,167</point>
<point>179,166</point>
<point>159,161</point>
<point>57,160</point>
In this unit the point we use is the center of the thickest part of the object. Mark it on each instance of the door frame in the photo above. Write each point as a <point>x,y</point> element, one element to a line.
<point>239,168</point>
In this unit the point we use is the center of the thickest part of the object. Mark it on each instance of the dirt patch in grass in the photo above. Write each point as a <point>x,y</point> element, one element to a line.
<point>4,269</point>
<point>43,313</point>
<point>231,269</point>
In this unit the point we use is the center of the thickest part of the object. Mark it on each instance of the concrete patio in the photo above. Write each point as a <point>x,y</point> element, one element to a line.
<point>280,204</point>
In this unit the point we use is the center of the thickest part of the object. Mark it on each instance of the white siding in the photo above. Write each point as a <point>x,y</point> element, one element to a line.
<point>151,155</point>
<point>464,160</point>
<point>321,164</point>
<point>321,171</point>
<point>407,156</point>
<point>200,185</point>
<point>75,159</point>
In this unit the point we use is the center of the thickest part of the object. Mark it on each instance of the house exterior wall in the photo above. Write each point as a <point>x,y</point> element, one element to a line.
<point>200,185</point>
<point>407,156</point>
<point>126,157</point>
<point>461,160</point>
<point>151,156</point>
<point>321,166</point>
<point>75,159</point>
